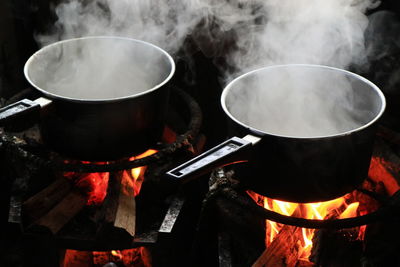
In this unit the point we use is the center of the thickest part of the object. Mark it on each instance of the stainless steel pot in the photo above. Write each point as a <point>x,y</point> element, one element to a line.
<point>309,131</point>
<point>107,95</point>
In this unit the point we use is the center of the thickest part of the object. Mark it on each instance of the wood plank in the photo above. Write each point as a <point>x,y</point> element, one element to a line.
<point>63,212</point>
<point>125,217</point>
<point>283,251</point>
<point>39,204</point>
<point>119,208</point>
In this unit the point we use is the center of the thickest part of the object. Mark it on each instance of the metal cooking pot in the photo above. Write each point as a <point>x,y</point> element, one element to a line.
<point>107,95</point>
<point>309,132</point>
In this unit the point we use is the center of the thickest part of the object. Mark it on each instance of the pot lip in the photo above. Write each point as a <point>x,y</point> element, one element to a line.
<point>97,101</point>
<point>264,133</point>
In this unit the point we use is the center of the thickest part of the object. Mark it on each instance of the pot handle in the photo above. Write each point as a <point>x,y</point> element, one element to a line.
<point>233,149</point>
<point>22,109</point>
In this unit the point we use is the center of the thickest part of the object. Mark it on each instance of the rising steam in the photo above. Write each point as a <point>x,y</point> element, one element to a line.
<point>262,33</point>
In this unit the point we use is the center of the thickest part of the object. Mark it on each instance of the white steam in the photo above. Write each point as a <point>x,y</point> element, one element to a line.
<point>285,101</point>
<point>99,68</point>
<point>302,102</point>
<point>261,33</point>
<point>329,32</point>
<point>165,23</point>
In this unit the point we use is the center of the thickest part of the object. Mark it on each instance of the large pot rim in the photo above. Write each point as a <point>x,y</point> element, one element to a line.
<point>264,133</point>
<point>96,101</point>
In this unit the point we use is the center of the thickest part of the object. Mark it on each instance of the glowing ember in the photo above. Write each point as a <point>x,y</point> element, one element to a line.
<point>95,184</point>
<point>337,208</point>
<point>128,257</point>
<point>379,171</point>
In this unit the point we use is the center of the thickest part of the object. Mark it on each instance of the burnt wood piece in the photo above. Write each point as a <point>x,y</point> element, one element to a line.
<point>284,249</point>
<point>125,217</point>
<point>337,248</point>
<point>385,167</point>
<point>371,197</point>
<point>63,212</point>
<point>39,204</point>
<point>118,212</point>
<point>245,230</point>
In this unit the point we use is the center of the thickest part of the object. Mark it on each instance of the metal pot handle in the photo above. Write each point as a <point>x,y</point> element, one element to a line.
<point>233,149</point>
<point>22,109</point>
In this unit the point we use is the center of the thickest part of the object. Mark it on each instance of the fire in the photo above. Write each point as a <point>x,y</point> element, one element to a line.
<point>337,208</point>
<point>129,257</point>
<point>95,185</point>
<point>132,180</point>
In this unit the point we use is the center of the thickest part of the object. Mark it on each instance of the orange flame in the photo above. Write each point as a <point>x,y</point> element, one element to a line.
<point>95,184</point>
<point>132,180</point>
<point>117,254</point>
<point>337,208</point>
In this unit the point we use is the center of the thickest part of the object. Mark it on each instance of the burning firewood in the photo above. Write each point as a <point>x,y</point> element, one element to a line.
<point>283,251</point>
<point>119,207</point>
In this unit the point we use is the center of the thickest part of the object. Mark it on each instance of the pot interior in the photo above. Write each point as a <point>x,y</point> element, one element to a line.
<point>98,68</point>
<point>302,101</point>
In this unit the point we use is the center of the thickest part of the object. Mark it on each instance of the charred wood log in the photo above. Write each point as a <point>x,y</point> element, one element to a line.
<point>118,212</point>
<point>284,249</point>
<point>125,217</point>
<point>39,204</point>
<point>63,212</point>
<point>385,167</point>
<point>246,245</point>
<point>339,248</point>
